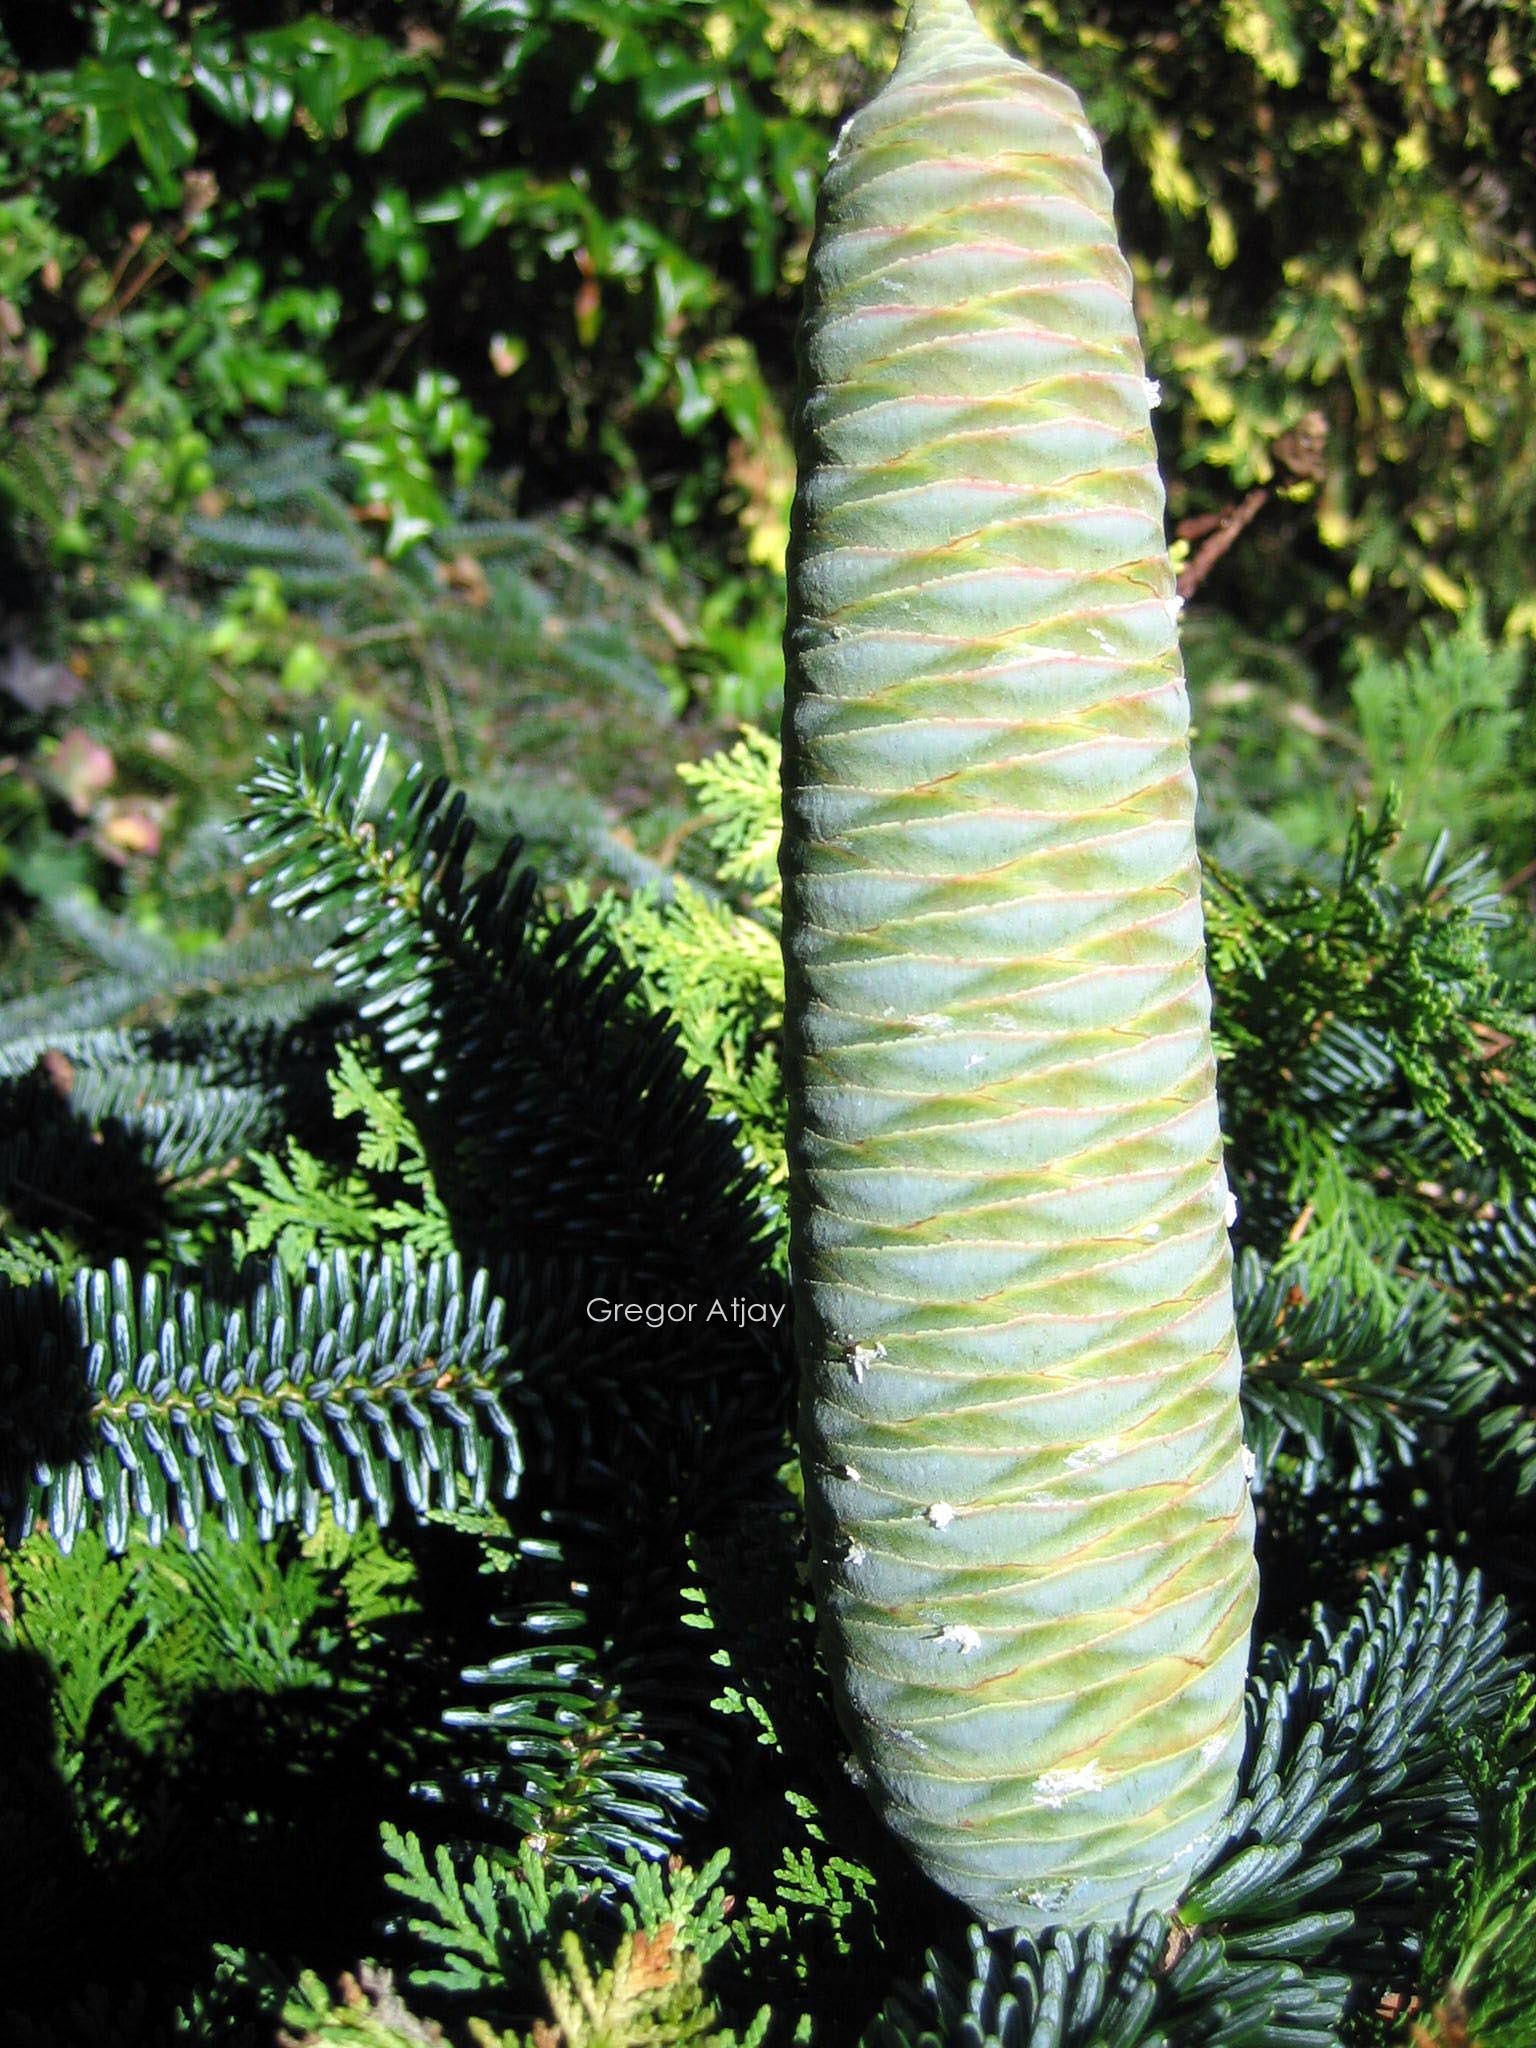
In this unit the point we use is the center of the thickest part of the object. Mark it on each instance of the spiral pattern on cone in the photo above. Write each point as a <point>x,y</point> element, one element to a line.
<point>1032,1535</point>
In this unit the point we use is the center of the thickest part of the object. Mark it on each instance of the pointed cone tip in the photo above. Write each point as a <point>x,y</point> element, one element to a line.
<point>934,17</point>
<point>936,31</point>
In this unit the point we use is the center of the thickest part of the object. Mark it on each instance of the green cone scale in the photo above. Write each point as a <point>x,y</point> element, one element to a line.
<point>1032,1534</point>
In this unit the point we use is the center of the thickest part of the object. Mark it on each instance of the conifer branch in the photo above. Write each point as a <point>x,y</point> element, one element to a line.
<point>1351,1799</point>
<point>1344,1386</point>
<point>150,1403</point>
<point>573,1121</point>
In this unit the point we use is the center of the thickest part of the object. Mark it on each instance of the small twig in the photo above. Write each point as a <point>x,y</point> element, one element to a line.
<point>1229,525</point>
<point>123,290</point>
<point>1199,524</point>
<point>1179,1939</point>
<point>669,848</point>
<point>51,1201</point>
<point>138,235</point>
<point>1298,1229</point>
<point>442,718</point>
<point>152,269</point>
<point>402,341</point>
<point>374,636</point>
<point>669,621</point>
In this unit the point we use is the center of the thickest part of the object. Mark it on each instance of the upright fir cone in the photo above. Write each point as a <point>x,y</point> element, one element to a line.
<point>1033,1540</point>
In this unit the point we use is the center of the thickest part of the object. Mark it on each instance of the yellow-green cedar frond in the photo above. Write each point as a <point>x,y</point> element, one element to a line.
<point>651,1995</point>
<point>738,793</point>
<point>1480,1958</point>
<point>1350,1230</point>
<point>720,973</point>
<point>369,2014</point>
<point>717,968</point>
<point>697,950</point>
<point>376,1582</point>
<point>23,1259</point>
<point>390,1143</point>
<point>359,1090</point>
<point>77,1611</point>
<point>1446,726</point>
<point>301,1201</point>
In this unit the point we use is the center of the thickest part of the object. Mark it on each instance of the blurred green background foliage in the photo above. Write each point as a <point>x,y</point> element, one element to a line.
<point>435,361</point>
